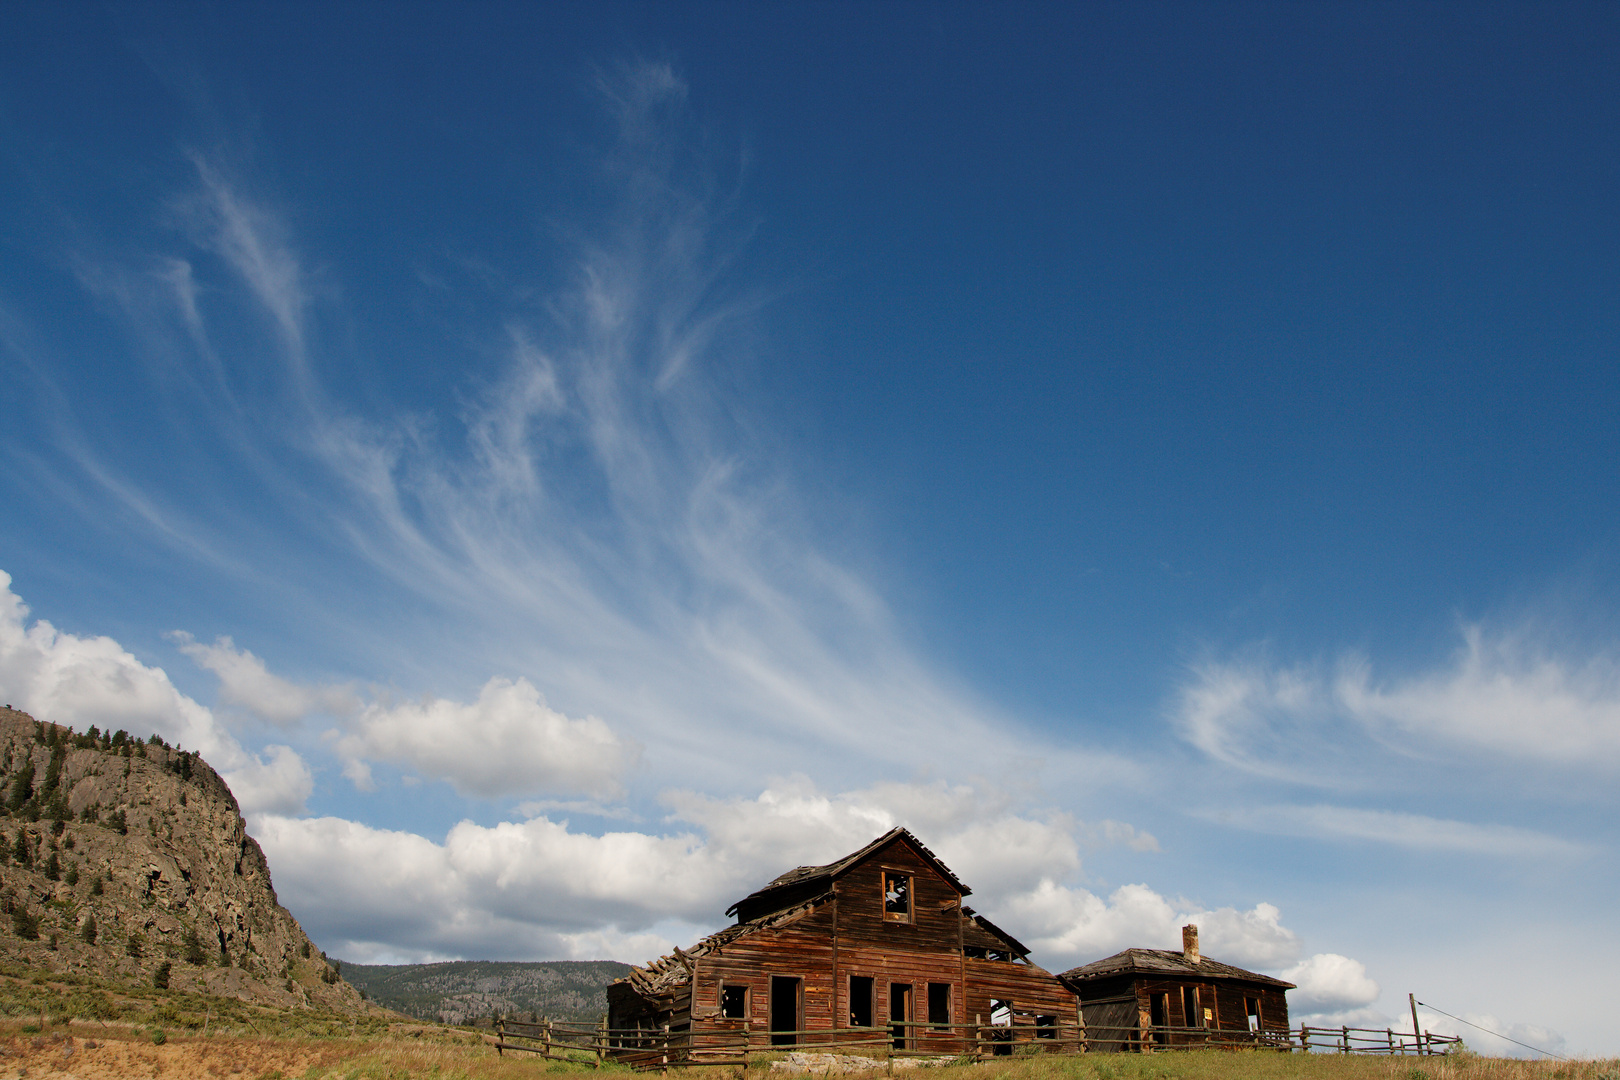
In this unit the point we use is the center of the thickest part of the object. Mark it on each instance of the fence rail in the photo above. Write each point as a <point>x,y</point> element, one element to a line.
<point>663,1048</point>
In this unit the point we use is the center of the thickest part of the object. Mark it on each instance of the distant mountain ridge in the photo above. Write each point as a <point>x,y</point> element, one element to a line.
<point>461,991</point>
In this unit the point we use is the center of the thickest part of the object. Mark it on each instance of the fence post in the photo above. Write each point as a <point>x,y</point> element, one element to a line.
<point>1389,1036</point>
<point>663,1068</point>
<point>500,1036</point>
<point>1344,1046</point>
<point>748,1039</point>
<point>601,1042</point>
<point>978,1050</point>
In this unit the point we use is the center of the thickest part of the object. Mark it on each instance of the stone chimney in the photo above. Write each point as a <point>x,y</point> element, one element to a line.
<point>1189,942</point>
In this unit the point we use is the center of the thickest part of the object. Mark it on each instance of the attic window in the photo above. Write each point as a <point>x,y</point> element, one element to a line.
<point>896,896</point>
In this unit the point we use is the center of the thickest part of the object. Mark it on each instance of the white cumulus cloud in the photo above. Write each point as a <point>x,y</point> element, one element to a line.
<point>246,683</point>
<point>508,741</point>
<point>1069,926</point>
<point>83,681</point>
<point>1329,983</point>
<point>538,888</point>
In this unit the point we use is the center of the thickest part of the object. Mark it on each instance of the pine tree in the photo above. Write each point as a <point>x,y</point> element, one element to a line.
<point>20,850</point>
<point>88,930</point>
<point>22,788</point>
<point>53,868</point>
<point>160,977</point>
<point>194,949</point>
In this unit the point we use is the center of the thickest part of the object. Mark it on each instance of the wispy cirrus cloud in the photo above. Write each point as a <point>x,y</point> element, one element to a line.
<point>1416,831</point>
<point>601,514</point>
<point>1500,697</point>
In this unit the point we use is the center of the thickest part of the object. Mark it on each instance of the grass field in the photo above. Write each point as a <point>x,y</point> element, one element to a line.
<point>96,1051</point>
<point>54,1025</point>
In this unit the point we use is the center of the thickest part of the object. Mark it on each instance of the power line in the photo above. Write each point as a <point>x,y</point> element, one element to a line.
<point>1498,1034</point>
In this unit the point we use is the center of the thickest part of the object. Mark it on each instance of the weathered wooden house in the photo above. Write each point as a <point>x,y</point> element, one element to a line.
<point>879,939</point>
<point>1141,998</point>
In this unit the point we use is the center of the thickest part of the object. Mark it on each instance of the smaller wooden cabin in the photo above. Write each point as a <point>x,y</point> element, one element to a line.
<point>1141,998</point>
<point>874,947</point>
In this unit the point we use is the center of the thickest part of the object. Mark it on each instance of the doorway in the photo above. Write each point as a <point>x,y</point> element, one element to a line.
<point>899,1012</point>
<point>784,1017</point>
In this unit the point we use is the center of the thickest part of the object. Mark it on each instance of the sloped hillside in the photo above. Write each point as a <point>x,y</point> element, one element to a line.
<point>460,991</point>
<point>126,859</point>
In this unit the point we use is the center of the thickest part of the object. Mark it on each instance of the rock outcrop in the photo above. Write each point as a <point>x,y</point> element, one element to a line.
<point>126,858</point>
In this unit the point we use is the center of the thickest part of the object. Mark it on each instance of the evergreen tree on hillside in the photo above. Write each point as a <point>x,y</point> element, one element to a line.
<point>22,787</point>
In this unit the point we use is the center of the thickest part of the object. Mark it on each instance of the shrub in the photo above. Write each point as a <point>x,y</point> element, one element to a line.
<point>135,945</point>
<point>160,977</point>
<point>194,949</point>
<point>88,930</point>
<point>72,876</point>
<point>95,886</point>
<point>20,851</point>
<point>25,922</point>
<point>118,823</point>
<point>53,868</point>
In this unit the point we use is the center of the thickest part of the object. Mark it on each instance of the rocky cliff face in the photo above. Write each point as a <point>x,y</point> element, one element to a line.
<point>125,858</point>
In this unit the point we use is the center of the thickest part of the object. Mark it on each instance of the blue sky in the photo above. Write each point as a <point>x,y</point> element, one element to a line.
<point>567,464</point>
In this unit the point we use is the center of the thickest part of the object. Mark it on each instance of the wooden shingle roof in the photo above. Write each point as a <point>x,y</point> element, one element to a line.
<point>1163,962</point>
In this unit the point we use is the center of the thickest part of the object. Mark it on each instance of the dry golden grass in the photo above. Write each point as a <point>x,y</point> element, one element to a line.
<point>99,1052</point>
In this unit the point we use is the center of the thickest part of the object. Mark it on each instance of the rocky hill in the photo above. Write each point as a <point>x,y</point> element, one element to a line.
<point>461,991</point>
<point>127,859</point>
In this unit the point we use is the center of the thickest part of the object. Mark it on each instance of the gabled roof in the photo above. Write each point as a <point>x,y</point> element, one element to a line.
<point>668,972</point>
<point>1164,962</point>
<point>804,875</point>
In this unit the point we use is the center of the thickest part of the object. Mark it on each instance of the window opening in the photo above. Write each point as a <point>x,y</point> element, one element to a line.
<point>1189,1006</point>
<point>896,896</point>
<point>1001,1018</point>
<point>1046,1027</point>
<point>939,1004</point>
<point>784,1018</point>
<point>899,1012</point>
<point>1252,1007</point>
<point>1159,1011</point>
<point>860,1001</point>
<point>734,1002</point>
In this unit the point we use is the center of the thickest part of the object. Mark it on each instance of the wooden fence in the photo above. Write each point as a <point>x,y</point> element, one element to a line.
<point>647,1048</point>
<point>663,1049</point>
<point>1348,1040</point>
